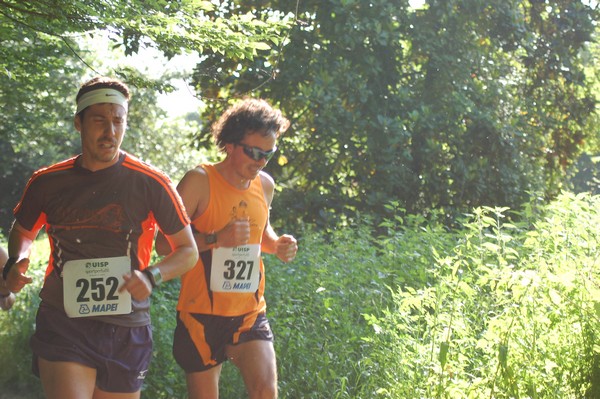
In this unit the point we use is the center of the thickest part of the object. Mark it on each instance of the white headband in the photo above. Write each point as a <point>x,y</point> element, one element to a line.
<point>101,96</point>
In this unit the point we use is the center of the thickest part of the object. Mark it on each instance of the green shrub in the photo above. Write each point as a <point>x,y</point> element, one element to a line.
<point>17,326</point>
<point>492,309</point>
<point>316,305</point>
<point>514,312</point>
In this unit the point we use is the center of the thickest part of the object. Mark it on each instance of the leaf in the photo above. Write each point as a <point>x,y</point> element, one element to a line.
<point>503,355</point>
<point>555,297</point>
<point>261,46</point>
<point>491,246</point>
<point>442,356</point>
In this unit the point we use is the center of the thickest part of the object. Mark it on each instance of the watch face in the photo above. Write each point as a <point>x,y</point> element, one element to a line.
<point>157,276</point>
<point>154,275</point>
<point>211,238</point>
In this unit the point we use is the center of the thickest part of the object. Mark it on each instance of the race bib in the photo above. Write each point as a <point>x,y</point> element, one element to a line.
<point>235,269</point>
<point>91,287</point>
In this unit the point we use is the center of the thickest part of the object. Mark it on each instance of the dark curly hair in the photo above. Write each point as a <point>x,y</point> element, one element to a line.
<point>250,115</point>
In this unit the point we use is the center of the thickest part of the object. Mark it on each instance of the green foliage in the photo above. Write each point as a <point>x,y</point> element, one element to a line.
<point>36,85</point>
<point>172,27</point>
<point>496,308</point>
<point>17,326</point>
<point>43,60</point>
<point>165,379</point>
<point>396,114</point>
<point>585,174</point>
<point>459,104</point>
<point>154,138</point>
<point>513,312</point>
<point>315,306</point>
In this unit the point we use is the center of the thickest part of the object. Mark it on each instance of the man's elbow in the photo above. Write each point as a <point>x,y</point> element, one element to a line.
<point>191,258</point>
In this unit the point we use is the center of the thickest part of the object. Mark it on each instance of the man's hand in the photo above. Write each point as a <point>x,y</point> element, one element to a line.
<point>138,285</point>
<point>236,233</point>
<point>16,279</point>
<point>286,248</point>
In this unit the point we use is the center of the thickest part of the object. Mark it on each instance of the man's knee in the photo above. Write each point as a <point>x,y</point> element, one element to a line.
<point>266,389</point>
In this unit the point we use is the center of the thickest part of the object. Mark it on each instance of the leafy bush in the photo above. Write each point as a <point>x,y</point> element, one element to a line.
<point>501,307</point>
<point>514,312</point>
<point>16,327</point>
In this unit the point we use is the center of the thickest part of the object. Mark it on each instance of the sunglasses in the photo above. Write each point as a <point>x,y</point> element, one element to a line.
<point>256,153</point>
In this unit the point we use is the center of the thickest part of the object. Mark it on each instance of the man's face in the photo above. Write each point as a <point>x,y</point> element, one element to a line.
<point>247,167</point>
<point>102,129</point>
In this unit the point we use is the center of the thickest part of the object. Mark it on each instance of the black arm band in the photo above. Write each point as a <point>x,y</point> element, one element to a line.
<point>9,263</point>
<point>150,277</point>
<point>154,275</point>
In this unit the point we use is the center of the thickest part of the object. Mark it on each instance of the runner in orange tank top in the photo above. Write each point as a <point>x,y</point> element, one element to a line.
<point>221,308</point>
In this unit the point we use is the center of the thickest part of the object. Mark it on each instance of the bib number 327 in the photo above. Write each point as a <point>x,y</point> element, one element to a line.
<point>235,269</point>
<point>91,287</point>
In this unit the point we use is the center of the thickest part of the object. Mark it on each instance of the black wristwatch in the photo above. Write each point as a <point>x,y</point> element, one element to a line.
<point>8,265</point>
<point>210,238</point>
<point>154,275</point>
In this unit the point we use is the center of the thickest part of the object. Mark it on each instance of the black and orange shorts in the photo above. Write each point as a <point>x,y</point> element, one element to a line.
<point>200,340</point>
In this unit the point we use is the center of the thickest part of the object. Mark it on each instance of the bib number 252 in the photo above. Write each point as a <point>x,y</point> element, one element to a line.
<point>97,289</point>
<point>91,287</point>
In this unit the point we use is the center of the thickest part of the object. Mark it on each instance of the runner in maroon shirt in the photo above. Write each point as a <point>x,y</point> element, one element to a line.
<point>100,210</point>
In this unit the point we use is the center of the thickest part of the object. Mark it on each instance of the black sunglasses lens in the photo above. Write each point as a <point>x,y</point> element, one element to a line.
<point>258,154</point>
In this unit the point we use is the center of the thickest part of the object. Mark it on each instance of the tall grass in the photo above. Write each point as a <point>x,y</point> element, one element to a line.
<point>16,327</point>
<point>505,306</point>
<point>513,313</point>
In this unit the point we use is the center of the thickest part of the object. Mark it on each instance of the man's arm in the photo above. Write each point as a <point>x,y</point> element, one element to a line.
<point>194,191</point>
<point>19,247</point>
<point>7,298</point>
<point>183,257</point>
<point>3,259</point>
<point>285,246</point>
<point>269,240</point>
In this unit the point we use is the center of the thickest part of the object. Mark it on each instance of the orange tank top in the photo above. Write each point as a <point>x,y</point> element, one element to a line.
<point>228,281</point>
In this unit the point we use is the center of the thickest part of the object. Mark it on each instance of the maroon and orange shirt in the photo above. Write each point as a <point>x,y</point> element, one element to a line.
<point>112,212</point>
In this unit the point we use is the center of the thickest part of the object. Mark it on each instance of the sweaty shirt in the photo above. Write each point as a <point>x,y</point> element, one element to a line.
<point>233,283</point>
<point>108,213</point>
